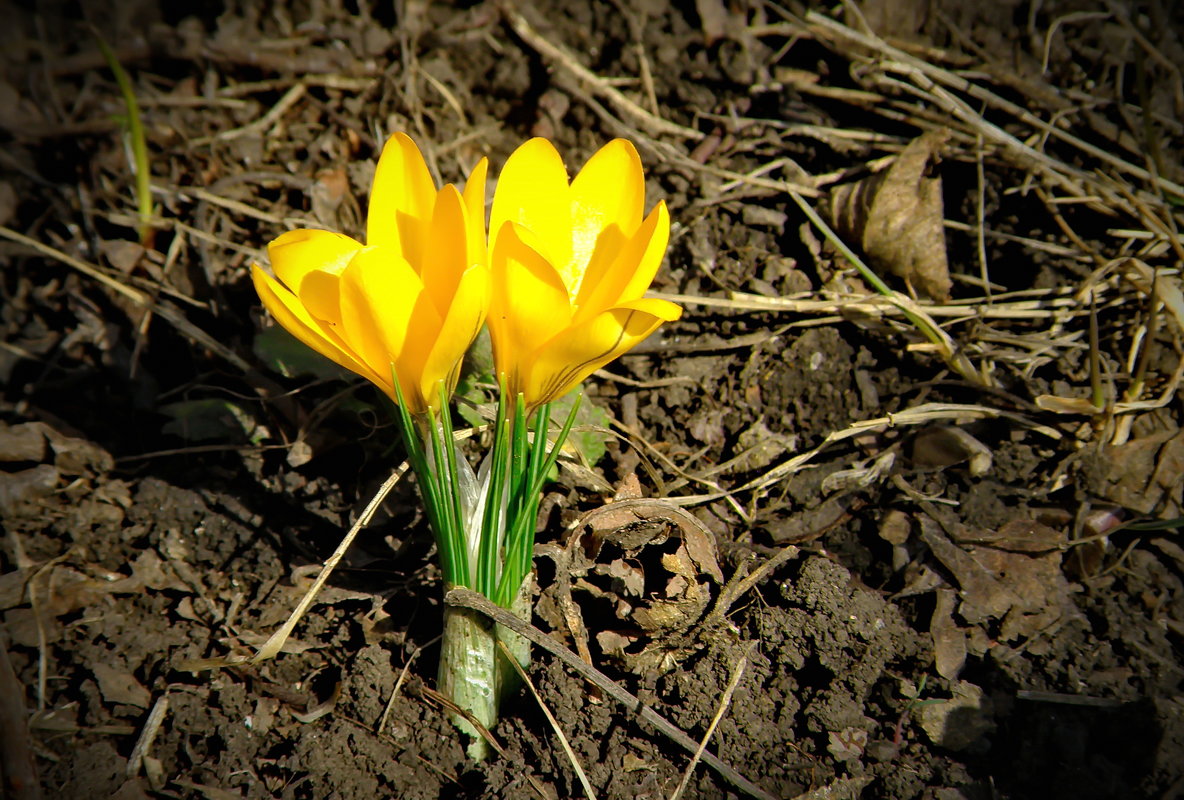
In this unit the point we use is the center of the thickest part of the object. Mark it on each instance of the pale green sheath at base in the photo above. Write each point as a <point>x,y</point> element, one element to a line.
<point>473,670</point>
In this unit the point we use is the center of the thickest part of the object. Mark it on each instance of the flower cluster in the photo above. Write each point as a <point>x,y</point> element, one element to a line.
<point>559,279</point>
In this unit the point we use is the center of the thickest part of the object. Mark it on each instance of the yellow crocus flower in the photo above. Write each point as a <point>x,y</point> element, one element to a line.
<point>408,302</point>
<point>570,263</point>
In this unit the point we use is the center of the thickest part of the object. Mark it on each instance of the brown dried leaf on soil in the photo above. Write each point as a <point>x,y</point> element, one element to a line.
<point>1038,582</point>
<point>22,489</point>
<point>897,217</point>
<point>1027,591</point>
<point>120,687</point>
<point>1142,475</point>
<point>29,441</point>
<point>949,641</point>
<point>1017,536</point>
<point>959,722</point>
<point>898,19</point>
<point>618,551</point>
<point>984,596</point>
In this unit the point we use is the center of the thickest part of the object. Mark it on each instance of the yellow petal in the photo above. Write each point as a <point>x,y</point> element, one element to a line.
<point>385,313</point>
<point>529,302</point>
<point>316,258</point>
<point>632,269</point>
<point>562,363</point>
<point>295,319</point>
<point>607,198</point>
<point>466,315</point>
<point>474,197</point>
<point>449,260</point>
<point>533,192</point>
<point>401,199</point>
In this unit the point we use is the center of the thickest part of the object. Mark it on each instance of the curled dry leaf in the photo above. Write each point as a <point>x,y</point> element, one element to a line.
<point>949,641</point>
<point>896,216</point>
<point>1028,592</point>
<point>1142,474</point>
<point>654,565</point>
<point>941,446</point>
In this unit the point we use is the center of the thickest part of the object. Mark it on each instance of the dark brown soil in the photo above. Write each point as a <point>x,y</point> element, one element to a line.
<point>169,481</point>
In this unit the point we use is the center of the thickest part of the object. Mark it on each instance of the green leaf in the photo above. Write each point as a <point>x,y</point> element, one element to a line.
<point>590,444</point>
<point>284,353</point>
<point>211,419</point>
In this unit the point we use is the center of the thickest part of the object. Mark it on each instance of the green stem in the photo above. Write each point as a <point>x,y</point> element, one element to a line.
<point>955,360</point>
<point>139,142</point>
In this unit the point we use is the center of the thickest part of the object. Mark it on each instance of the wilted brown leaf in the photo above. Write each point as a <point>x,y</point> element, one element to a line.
<point>23,488</point>
<point>652,561</point>
<point>984,596</point>
<point>1019,536</point>
<point>897,217</point>
<point>121,687</point>
<point>942,446</point>
<point>949,641</point>
<point>1143,474</point>
<point>958,722</point>
<point>1041,589</point>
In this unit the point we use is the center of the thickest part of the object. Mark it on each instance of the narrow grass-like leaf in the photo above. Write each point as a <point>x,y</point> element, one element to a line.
<point>139,143</point>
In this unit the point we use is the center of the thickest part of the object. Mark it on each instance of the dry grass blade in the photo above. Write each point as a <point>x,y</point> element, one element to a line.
<point>147,735</point>
<point>466,598</point>
<point>918,415</point>
<point>564,743</point>
<point>913,311</point>
<point>724,703</point>
<point>276,641</point>
<point>562,58</point>
<point>933,75</point>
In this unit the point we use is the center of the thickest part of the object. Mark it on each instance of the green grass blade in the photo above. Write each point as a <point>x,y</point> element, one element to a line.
<point>139,142</point>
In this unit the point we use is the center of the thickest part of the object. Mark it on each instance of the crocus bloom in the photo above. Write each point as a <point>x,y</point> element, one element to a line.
<point>410,301</point>
<point>570,263</point>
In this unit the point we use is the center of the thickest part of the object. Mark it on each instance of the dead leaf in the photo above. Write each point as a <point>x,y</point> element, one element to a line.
<point>808,524</point>
<point>900,19</point>
<point>12,587</point>
<point>614,643</point>
<point>983,595</point>
<point>662,573</point>
<point>28,442</point>
<point>630,576</point>
<point>1142,474</point>
<point>123,254</point>
<point>759,447</point>
<point>847,744</point>
<point>959,722</point>
<point>1043,594</point>
<point>24,442</point>
<point>118,686</point>
<point>949,641</point>
<point>25,487</point>
<point>1018,536</point>
<point>941,446</point>
<point>897,217</point>
<point>895,527</point>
